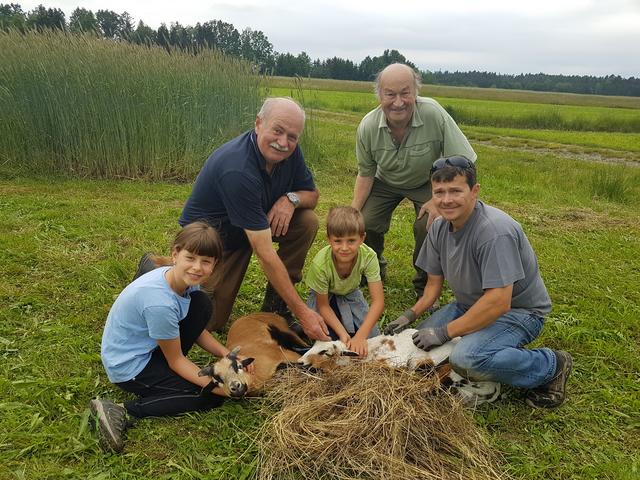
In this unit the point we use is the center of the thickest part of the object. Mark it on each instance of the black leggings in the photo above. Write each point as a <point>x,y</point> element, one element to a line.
<point>160,390</point>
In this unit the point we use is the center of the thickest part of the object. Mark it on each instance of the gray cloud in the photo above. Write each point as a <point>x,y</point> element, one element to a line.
<point>571,37</point>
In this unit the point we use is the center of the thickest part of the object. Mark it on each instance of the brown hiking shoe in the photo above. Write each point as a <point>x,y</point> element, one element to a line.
<point>553,393</point>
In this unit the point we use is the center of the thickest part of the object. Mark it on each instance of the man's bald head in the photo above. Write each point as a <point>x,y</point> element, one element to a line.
<point>285,105</point>
<point>398,72</point>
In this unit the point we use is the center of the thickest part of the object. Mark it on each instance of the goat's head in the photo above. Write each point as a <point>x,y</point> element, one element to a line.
<point>325,354</point>
<point>230,373</point>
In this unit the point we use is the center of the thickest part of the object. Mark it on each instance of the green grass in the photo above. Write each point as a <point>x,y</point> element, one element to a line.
<point>491,113</point>
<point>623,142</point>
<point>69,246</point>
<point>88,107</point>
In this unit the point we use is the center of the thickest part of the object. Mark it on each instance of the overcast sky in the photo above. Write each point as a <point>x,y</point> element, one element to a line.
<point>583,37</point>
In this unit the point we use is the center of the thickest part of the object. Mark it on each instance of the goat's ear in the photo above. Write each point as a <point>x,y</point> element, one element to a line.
<point>206,371</point>
<point>348,353</point>
<point>247,361</point>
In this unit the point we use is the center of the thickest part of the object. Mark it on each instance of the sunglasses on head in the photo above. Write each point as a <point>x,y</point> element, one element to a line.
<point>455,161</point>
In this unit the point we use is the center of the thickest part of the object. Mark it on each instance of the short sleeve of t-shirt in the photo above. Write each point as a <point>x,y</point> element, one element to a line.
<point>319,274</point>
<point>500,262</point>
<point>429,255</point>
<point>371,267</point>
<point>162,322</point>
<point>366,164</point>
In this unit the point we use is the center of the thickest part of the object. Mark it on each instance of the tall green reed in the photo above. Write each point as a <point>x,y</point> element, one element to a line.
<point>88,107</point>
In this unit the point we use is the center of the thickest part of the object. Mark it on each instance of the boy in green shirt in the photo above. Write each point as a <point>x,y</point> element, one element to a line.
<point>334,280</point>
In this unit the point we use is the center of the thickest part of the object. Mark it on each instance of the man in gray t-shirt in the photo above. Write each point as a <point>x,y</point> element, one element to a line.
<point>500,298</point>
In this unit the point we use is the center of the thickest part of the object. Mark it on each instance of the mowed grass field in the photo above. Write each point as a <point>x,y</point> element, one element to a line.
<point>68,246</point>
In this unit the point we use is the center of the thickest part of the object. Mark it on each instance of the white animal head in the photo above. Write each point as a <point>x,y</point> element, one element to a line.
<point>230,373</point>
<point>325,354</point>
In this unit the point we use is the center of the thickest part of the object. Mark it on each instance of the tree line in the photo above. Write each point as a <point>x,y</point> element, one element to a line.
<point>255,47</point>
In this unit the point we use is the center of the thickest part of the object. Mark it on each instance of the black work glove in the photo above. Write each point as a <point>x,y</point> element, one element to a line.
<point>427,338</point>
<point>400,323</point>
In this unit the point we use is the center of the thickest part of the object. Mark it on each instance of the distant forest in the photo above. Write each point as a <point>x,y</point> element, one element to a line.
<point>255,47</point>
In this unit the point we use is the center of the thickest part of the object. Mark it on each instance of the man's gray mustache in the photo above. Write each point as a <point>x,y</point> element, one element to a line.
<point>278,147</point>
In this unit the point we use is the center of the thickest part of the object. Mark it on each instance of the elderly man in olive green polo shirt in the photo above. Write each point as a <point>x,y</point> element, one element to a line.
<point>395,147</point>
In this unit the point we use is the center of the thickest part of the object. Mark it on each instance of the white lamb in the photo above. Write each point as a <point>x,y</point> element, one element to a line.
<point>400,352</point>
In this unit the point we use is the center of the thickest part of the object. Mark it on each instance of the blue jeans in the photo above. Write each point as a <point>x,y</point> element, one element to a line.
<point>496,352</point>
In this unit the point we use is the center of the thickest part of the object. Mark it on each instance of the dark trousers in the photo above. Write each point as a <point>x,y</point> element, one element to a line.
<point>160,390</point>
<point>377,212</point>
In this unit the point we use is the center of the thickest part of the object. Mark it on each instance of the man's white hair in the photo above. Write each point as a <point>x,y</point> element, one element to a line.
<point>417,78</point>
<point>271,102</point>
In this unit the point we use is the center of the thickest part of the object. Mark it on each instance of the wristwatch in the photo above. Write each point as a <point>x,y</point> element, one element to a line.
<point>293,198</point>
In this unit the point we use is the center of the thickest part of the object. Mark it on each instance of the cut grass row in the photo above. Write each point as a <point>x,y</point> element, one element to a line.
<point>493,113</point>
<point>443,91</point>
<point>590,146</point>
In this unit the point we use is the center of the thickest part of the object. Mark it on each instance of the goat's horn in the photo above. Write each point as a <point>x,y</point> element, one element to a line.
<point>233,354</point>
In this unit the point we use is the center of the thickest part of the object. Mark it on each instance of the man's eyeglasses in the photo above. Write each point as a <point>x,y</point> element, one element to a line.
<point>455,161</point>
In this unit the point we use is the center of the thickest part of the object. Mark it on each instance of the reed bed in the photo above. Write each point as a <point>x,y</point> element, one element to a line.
<point>89,107</point>
<point>368,421</point>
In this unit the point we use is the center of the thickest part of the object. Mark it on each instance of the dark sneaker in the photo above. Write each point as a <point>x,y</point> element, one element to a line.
<point>111,423</point>
<point>145,265</point>
<point>553,394</point>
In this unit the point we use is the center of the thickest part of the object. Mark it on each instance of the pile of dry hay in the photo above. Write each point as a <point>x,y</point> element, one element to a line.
<point>367,420</point>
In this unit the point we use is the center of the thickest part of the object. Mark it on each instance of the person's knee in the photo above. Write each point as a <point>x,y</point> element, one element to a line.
<point>307,220</point>
<point>467,363</point>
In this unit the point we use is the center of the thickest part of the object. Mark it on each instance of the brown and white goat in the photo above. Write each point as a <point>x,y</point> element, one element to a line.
<point>229,373</point>
<point>267,339</point>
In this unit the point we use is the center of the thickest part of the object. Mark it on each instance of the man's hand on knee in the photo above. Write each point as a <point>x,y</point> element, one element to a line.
<point>427,338</point>
<point>279,216</point>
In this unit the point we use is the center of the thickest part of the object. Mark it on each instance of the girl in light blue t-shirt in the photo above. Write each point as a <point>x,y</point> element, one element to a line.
<point>150,329</point>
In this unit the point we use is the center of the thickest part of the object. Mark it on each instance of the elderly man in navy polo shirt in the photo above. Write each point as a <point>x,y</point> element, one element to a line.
<point>256,190</point>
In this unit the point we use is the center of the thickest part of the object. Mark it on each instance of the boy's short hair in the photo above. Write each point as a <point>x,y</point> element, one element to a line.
<point>199,238</point>
<point>345,221</point>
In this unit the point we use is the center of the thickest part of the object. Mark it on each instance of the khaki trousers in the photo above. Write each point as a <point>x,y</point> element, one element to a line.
<point>223,285</point>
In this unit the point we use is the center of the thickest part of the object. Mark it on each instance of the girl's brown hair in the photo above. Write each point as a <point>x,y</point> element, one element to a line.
<point>199,238</point>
